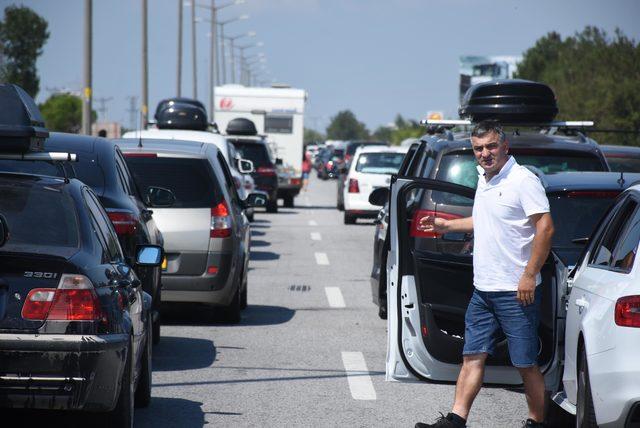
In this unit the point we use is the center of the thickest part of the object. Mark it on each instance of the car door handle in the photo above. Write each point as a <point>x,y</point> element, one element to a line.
<point>582,304</point>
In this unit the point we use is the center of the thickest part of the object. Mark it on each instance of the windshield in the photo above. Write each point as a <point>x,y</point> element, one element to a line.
<point>379,163</point>
<point>190,180</point>
<point>257,153</point>
<point>41,219</point>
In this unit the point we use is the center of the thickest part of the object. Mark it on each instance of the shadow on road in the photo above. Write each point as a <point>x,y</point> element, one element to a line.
<point>263,256</point>
<point>257,233</point>
<point>171,412</point>
<point>317,207</point>
<point>182,353</point>
<point>258,243</point>
<point>202,315</point>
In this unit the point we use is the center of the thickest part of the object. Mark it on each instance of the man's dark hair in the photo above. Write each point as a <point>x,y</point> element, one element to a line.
<point>486,127</point>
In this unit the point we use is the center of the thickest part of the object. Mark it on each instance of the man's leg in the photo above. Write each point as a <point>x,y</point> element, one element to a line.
<point>534,391</point>
<point>469,383</point>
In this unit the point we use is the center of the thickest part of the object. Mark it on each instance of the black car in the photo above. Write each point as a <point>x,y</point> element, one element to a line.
<point>622,158</point>
<point>75,324</point>
<point>102,166</point>
<point>448,157</point>
<point>329,162</point>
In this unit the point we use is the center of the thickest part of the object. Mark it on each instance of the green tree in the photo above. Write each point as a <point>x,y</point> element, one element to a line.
<point>63,113</point>
<point>594,76</point>
<point>383,133</point>
<point>312,136</point>
<point>23,33</point>
<point>345,126</point>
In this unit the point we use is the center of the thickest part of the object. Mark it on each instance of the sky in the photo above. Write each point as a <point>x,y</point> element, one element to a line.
<point>378,58</point>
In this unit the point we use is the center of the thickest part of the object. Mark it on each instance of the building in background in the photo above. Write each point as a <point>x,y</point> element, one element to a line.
<point>106,129</point>
<point>477,69</point>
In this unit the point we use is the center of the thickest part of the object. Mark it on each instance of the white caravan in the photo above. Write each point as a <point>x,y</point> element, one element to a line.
<point>278,113</point>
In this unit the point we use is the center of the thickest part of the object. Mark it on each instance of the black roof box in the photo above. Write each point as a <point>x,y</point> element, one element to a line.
<point>182,116</point>
<point>21,124</point>
<point>241,126</point>
<point>509,101</point>
<point>168,102</point>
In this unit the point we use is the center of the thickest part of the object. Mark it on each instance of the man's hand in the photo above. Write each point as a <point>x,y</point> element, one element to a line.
<point>526,289</point>
<point>433,224</point>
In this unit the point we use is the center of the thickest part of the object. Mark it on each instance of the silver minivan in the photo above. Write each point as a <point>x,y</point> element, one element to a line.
<point>206,233</point>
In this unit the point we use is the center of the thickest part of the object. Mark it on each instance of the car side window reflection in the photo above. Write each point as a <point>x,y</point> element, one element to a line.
<point>228,179</point>
<point>106,228</point>
<point>91,209</point>
<point>627,248</point>
<point>604,250</point>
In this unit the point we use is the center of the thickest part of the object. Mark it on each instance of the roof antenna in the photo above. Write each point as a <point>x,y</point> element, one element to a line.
<point>139,130</point>
<point>621,180</point>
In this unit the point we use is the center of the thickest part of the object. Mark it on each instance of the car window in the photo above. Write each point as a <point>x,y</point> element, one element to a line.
<point>190,179</point>
<point>627,248</point>
<point>623,164</point>
<point>42,219</point>
<point>277,124</point>
<point>229,183</point>
<point>124,172</point>
<point>53,169</point>
<point>379,163</point>
<point>110,239</point>
<point>603,254</point>
<point>120,177</point>
<point>255,152</point>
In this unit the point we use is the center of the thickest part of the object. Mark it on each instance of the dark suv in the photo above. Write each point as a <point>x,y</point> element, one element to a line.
<point>101,166</point>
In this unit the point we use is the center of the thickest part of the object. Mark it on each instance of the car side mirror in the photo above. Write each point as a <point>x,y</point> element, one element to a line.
<point>245,166</point>
<point>255,200</point>
<point>149,255</point>
<point>4,230</point>
<point>278,161</point>
<point>160,197</point>
<point>379,197</point>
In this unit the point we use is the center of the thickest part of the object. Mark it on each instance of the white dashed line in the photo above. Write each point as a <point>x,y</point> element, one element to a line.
<point>334,296</point>
<point>360,382</point>
<point>322,259</point>
<point>315,236</point>
<point>312,223</point>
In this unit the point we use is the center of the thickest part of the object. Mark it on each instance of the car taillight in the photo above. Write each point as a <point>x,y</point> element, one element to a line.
<point>266,171</point>
<point>353,186</point>
<point>415,232</point>
<point>75,299</point>
<point>220,221</point>
<point>627,313</point>
<point>329,165</point>
<point>295,181</point>
<point>123,222</point>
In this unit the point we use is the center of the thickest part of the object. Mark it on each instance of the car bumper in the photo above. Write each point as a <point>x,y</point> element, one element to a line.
<point>66,372</point>
<point>358,202</point>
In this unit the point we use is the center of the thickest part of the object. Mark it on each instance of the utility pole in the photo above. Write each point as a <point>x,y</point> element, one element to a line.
<point>144,110</point>
<point>193,49</point>
<point>133,111</point>
<point>86,101</point>
<point>212,62</point>
<point>179,73</point>
<point>103,107</point>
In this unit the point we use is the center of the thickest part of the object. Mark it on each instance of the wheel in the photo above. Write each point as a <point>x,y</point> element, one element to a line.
<point>122,415</point>
<point>288,201</point>
<point>585,413</point>
<point>155,330</point>
<point>272,206</point>
<point>232,312</point>
<point>243,298</point>
<point>349,219</point>
<point>143,391</point>
<point>340,206</point>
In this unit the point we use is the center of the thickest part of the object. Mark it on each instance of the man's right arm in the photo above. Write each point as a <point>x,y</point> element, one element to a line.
<point>440,225</point>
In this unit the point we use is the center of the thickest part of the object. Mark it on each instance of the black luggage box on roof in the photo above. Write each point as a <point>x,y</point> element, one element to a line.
<point>21,124</point>
<point>168,102</point>
<point>241,126</point>
<point>509,101</point>
<point>182,116</point>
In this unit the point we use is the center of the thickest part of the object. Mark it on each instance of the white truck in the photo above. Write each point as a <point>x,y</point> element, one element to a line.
<point>278,113</point>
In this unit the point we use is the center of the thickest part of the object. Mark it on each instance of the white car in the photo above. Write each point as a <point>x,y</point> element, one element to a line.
<point>602,339</point>
<point>370,169</point>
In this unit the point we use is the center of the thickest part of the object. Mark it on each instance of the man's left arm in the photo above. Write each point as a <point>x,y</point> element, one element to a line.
<point>539,253</point>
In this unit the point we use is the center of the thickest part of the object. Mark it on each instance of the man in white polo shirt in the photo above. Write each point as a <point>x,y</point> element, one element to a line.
<point>512,237</point>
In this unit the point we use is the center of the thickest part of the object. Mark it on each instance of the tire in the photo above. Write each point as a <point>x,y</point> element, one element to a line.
<point>272,206</point>
<point>288,201</point>
<point>349,219</point>
<point>143,391</point>
<point>243,298</point>
<point>122,415</point>
<point>585,413</point>
<point>232,312</point>
<point>340,206</point>
<point>155,330</point>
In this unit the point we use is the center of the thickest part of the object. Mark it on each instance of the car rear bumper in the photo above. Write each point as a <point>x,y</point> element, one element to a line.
<point>59,371</point>
<point>361,213</point>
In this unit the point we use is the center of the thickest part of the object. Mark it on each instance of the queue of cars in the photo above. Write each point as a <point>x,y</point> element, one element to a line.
<point>94,235</point>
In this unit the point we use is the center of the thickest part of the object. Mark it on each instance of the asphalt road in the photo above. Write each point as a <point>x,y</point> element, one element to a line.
<point>310,350</point>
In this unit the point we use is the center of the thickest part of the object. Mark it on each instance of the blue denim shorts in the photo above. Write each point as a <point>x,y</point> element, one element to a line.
<point>490,312</point>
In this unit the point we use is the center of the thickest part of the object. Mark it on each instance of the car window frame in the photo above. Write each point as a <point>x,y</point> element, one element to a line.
<point>229,183</point>
<point>115,254</point>
<point>629,223</point>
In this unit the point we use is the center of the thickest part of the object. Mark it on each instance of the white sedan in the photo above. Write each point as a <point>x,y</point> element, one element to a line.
<point>370,169</point>
<point>602,340</point>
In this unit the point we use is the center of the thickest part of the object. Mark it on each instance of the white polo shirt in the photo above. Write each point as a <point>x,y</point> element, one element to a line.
<point>503,232</point>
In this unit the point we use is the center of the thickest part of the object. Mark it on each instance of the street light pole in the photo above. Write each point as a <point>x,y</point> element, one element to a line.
<point>212,62</point>
<point>86,104</point>
<point>179,64</point>
<point>222,48</point>
<point>193,49</point>
<point>145,68</point>
<point>232,40</point>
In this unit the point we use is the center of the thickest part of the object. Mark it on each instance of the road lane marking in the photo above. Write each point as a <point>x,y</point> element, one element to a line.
<point>334,296</point>
<point>358,377</point>
<point>312,223</point>
<point>322,259</point>
<point>315,236</point>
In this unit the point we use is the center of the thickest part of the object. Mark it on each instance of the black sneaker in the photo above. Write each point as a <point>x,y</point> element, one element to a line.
<point>530,423</point>
<point>443,422</point>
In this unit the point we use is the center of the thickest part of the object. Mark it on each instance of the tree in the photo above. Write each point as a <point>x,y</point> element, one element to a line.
<point>63,113</point>
<point>312,136</point>
<point>23,33</point>
<point>345,126</point>
<point>595,77</point>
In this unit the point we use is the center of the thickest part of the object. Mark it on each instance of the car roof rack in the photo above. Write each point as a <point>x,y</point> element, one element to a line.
<point>43,156</point>
<point>565,124</point>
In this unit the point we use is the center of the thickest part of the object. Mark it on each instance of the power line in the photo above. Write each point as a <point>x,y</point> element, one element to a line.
<point>103,106</point>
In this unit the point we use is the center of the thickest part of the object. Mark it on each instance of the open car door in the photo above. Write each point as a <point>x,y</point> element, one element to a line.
<point>430,282</point>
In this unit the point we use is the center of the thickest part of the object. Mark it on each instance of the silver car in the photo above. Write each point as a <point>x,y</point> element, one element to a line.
<point>206,232</point>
